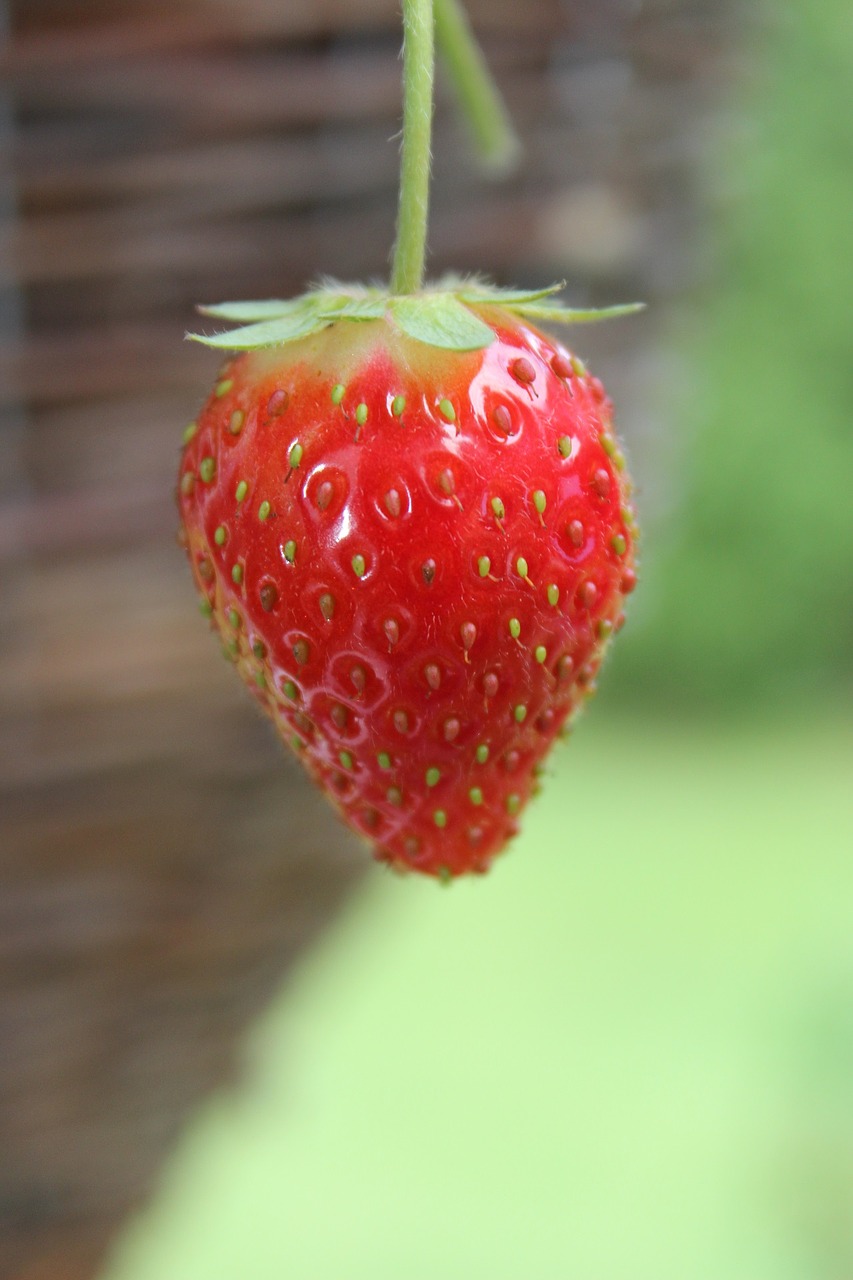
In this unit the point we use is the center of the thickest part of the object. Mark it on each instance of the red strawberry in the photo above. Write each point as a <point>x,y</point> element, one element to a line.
<point>415,555</point>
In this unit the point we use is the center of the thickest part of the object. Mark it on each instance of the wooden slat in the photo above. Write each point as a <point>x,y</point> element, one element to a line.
<point>34,49</point>
<point>209,94</point>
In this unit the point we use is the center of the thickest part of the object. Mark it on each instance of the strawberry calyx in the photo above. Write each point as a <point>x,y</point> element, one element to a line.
<point>445,315</point>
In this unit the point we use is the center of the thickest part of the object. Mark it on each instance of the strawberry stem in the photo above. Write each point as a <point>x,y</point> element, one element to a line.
<point>407,272</point>
<point>476,91</point>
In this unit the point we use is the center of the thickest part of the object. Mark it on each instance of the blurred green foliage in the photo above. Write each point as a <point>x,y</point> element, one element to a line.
<point>750,594</point>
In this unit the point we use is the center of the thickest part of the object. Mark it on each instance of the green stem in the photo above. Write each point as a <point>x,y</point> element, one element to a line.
<point>418,64</point>
<point>472,82</point>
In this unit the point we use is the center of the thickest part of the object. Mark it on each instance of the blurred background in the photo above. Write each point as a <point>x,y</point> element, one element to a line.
<point>229,1045</point>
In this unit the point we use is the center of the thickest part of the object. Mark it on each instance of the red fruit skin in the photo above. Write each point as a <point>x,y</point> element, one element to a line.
<point>340,552</point>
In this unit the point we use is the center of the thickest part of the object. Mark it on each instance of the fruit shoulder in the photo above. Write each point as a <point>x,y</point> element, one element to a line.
<point>415,558</point>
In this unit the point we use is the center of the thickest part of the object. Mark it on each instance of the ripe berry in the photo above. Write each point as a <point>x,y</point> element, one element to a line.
<point>415,556</point>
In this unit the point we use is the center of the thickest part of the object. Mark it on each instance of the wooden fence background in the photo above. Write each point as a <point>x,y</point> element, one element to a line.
<point>161,863</point>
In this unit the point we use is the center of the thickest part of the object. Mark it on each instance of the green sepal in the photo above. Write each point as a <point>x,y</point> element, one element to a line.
<point>440,320</point>
<point>370,307</point>
<point>267,333</point>
<point>246,312</point>
<point>483,294</point>
<point>356,303</point>
<point>556,313</point>
<point>278,322</point>
<point>441,316</point>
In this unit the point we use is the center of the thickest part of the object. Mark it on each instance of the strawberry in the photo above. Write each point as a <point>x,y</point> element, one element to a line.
<point>407,516</point>
<point>408,519</point>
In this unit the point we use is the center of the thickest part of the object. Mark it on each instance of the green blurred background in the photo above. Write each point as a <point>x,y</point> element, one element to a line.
<point>749,594</point>
<point>629,1052</point>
